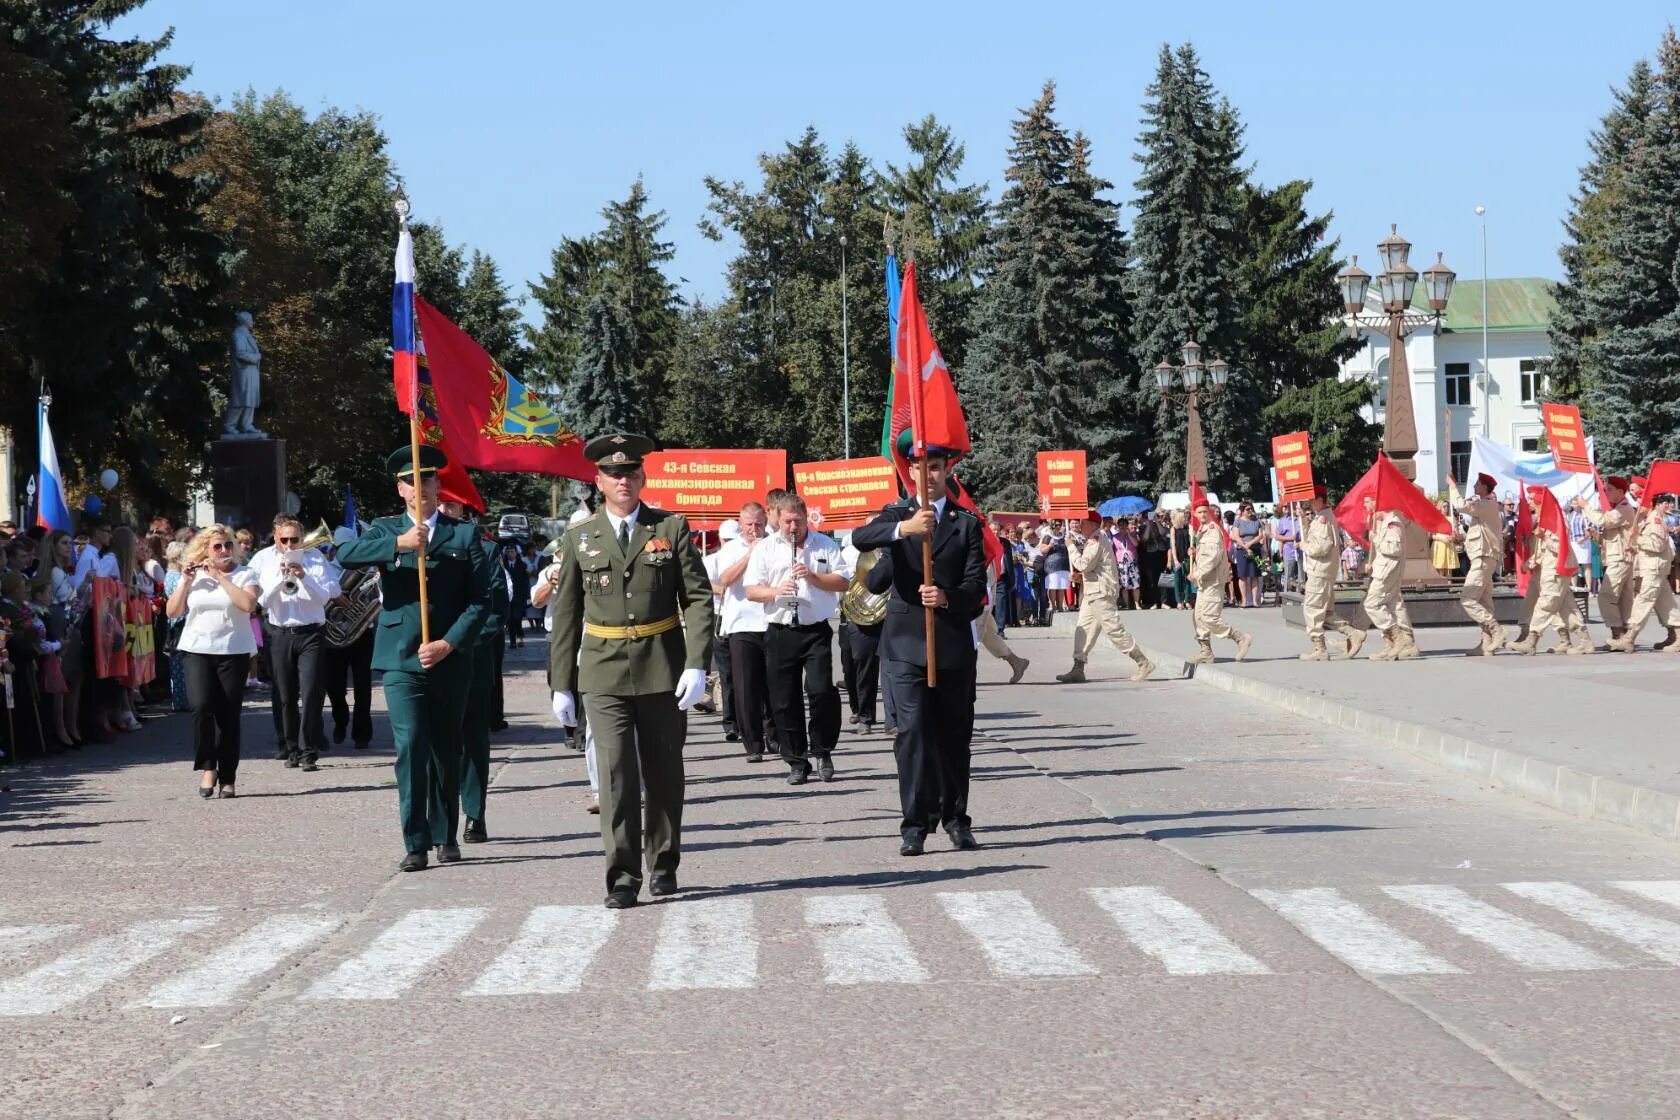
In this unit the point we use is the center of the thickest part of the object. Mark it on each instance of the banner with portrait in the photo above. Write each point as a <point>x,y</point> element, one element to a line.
<point>107,628</point>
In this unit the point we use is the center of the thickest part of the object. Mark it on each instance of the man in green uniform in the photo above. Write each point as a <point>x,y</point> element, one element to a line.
<point>426,684</point>
<point>633,632</point>
<point>481,714</point>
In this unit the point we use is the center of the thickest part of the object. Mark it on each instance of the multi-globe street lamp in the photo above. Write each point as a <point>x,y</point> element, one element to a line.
<point>1397,319</point>
<point>1199,383</point>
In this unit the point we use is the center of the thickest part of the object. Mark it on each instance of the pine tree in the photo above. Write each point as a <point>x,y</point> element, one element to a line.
<point>602,395</point>
<point>488,314</point>
<point>563,294</point>
<point>1046,365</point>
<point>1187,242</point>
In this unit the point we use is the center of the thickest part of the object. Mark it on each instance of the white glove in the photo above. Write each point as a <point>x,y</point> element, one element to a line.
<point>565,709</point>
<point>691,688</point>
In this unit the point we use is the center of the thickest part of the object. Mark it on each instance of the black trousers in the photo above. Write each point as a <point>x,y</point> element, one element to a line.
<point>498,697</point>
<point>747,670</point>
<point>935,730</point>
<point>848,668</point>
<point>215,691</point>
<point>1152,565</point>
<point>863,647</point>
<point>722,665</point>
<point>792,652</point>
<point>350,671</point>
<point>297,658</point>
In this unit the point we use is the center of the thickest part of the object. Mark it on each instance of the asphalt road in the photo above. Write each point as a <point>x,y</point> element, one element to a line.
<point>1186,905</point>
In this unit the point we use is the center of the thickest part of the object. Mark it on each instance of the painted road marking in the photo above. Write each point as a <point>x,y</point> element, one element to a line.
<point>15,939</point>
<point>83,971</point>
<point>1513,938</point>
<point>1666,891</point>
<point>1361,940</point>
<point>1173,933</point>
<point>395,959</point>
<point>710,943</point>
<point>1656,936</point>
<point>221,975</point>
<point>1016,938</point>
<point>555,947</point>
<point>859,941</point>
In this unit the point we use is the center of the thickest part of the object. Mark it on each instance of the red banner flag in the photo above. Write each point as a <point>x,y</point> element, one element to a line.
<point>1292,459</point>
<point>1392,491</point>
<point>924,396</point>
<point>1563,434</point>
<point>1551,519</point>
<point>1664,478</point>
<point>110,633</point>
<point>1062,483</point>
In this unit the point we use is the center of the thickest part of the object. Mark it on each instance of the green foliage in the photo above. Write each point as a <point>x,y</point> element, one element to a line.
<point>489,315</point>
<point>1344,443</point>
<point>601,395</point>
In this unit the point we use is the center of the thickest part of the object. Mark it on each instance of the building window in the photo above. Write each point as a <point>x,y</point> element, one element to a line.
<point>1531,443</point>
<point>1533,382</point>
<point>1459,450</point>
<point>1458,383</point>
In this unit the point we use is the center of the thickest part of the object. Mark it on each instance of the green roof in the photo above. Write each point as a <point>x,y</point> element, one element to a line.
<point>1526,304</point>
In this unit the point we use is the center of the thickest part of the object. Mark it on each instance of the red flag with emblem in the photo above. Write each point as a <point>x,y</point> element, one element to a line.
<point>924,396</point>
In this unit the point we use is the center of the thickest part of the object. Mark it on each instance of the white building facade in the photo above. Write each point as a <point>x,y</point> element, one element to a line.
<point>1454,397</point>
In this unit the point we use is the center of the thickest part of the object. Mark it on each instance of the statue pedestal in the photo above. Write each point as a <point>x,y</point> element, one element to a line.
<point>248,482</point>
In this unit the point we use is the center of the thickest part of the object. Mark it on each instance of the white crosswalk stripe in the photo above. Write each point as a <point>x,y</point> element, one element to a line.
<point>860,943</point>
<point>1513,938</point>
<point>711,943</point>
<point>399,956</point>
<point>1656,936</point>
<point>1350,932</point>
<point>1017,940</point>
<point>225,972</point>
<point>15,939</point>
<point>1172,933</point>
<point>83,971</point>
<point>554,949</point>
<point>1666,891</point>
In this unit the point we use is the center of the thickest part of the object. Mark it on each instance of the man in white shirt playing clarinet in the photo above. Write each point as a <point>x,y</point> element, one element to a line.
<point>296,586</point>
<point>799,575</point>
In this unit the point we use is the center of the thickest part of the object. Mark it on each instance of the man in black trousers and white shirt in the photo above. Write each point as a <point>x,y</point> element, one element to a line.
<point>295,587</point>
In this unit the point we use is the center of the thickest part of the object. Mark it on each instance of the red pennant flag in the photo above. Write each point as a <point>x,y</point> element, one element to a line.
<point>924,396</point>
<point>1392,491</point>
<point>1525,532</point>
<point>1551,519</point>
<point>1664,478</point>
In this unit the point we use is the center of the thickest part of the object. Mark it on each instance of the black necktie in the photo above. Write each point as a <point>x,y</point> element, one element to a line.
<point>624,536</point>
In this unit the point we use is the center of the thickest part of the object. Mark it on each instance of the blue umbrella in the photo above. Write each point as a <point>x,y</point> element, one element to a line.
<point>1129,506</point>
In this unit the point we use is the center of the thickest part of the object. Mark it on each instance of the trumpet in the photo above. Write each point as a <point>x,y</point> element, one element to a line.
<point>320,536</point>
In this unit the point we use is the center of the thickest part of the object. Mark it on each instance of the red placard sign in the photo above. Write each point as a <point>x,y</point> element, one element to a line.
<point>845,493</point>
<point>1061,482</point>
<point>1292,459</point>
<point>710,487</point>
<point>1567,440</point>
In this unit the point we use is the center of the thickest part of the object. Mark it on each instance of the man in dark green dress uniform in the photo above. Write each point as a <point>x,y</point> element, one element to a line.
<point>481,714</point>
<point>426,685</point>
<point>633,633</point>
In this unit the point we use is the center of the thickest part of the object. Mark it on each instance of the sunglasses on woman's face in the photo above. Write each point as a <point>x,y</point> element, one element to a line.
<point>220,546</point>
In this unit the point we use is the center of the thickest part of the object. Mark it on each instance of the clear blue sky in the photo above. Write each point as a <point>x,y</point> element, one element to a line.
<point>514,121</point>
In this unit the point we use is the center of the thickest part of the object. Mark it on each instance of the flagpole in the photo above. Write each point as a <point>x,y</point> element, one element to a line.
<point>414,453</point>
<point>925,496</point>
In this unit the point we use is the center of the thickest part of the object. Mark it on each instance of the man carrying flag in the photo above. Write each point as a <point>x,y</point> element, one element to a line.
<point>1617,522</point>
<point>1552,563</point>
<point>1322,550</point>
<point>1385,500</point>
<point>1655,558</point>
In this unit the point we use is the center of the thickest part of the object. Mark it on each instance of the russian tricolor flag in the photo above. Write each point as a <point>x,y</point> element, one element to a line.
<point>404,347</point>
<point>51,510</point>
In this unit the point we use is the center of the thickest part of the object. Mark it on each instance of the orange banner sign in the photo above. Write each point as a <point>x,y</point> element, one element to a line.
<point>710,487</point>
<point>1292,459</point>
<point>845,493</point>
<point>1567,440</point>
<point>1061,482</point>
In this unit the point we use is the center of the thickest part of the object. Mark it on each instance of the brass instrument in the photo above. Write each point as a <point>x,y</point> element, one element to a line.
<point>321,536</point>
<point>858,604</point>
<point>351,614</point>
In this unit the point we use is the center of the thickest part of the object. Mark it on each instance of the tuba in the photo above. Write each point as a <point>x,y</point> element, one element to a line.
<point>860,607</point>
<point>357,605</point>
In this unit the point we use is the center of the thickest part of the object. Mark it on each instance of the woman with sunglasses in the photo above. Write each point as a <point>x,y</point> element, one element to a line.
<point>216,598</point>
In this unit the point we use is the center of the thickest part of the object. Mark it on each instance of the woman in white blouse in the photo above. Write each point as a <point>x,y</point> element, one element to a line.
<point>216,598</point>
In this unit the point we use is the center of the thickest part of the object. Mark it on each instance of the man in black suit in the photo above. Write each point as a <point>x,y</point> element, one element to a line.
<point>935,725</point>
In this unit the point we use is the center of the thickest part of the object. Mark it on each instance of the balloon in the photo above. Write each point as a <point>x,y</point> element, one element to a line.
<point>93,504</point>
<point>108,478</point>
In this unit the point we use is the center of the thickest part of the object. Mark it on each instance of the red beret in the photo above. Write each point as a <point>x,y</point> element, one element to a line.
<point>1093,515</point>
<point>1485,479</point>
<point>1619,481</point>
<point>1320,490</point>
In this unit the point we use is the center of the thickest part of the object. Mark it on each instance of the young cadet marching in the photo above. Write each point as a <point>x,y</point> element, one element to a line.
<point>1384,605</point>
<point>634,598</point>
<point>1099,606</point>
<point>1322,550</point>
<point>1656,556</point>
<point>1617,529</point>
<point>1550,567</point>
<point>486,677</point>
<point>425,685</point>
<point>1210,568</point>
<point>1484,546</point>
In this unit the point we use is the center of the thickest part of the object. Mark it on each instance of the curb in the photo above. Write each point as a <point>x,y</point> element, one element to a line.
<point>1575,792</point>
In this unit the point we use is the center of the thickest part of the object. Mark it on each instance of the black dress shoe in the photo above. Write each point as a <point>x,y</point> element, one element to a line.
<point>663,884</point>
<point>474,833</point>
<point>798,777</point>
<point>499,725</point>
<point>308,762</point>
<point>825,768</point>
<point>961,837</point>
<point>449,853</point>
<point>755,756</point>
<point>621,898</point>
<point>912,846</point>
<point>732,736</point>
<point>293,761</point>
<point>413,861</point>
<point>281,754</point>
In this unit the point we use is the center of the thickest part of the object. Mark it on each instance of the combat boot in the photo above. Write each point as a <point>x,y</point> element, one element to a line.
<point>1672,641</point>
<point>1406,645</point>
<point>1356,642</point>
<point>1623,644</point>
<point>1018,668</point>
<point>1319,653</point>
<point>1562,645</point>
<point>1243,642</point>
<point>1528,646</point>
<point>1204,652</point>
<point>1389,649</point>
<point>1075,675</point>
<point>1144,665</point>
<point>1581,645</point>
<point>1494,639</point>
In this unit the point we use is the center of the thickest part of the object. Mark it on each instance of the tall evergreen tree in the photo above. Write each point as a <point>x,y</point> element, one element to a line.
<point>602,395</point>
<point>1187,242</point>
<point>563,294</point>
<point>1045,368</point>
<point>488,314</point>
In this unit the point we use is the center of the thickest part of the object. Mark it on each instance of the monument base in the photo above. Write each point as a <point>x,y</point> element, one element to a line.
<point>248,482</point>
<point>1428,606</point>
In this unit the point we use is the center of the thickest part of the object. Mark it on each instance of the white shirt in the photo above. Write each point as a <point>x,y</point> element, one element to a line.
<point>214,624</point>
<point>90,564</point>
<point>740,615</point>
<point>307,606</point>
<point>617,522</point>
<point>710,563</point>
<point>772,563</point>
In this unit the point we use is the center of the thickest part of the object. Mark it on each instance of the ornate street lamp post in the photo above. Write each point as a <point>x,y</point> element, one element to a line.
<point>1397,319</point>
<point>1191,375</point>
